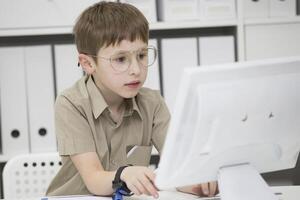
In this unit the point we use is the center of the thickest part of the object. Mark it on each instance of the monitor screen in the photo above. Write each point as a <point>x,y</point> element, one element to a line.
<point>226,115</point>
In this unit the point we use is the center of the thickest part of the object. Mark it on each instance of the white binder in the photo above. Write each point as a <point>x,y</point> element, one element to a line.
<point>177,53</point>
<point>152,80</point>
<point>40,96</point>
<point>274,41</point>
<point>147,7</point>
<point>217,9</point>
<point>283,8</point>
<point>177,10</point>
<point>256,8</point>
<point>37,13</point>
<point>216,49</point>
<point>66,70</point>
<point>14,128</point>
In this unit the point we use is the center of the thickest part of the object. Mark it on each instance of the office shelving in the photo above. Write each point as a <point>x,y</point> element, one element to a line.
<point>279,20</point>
<point>192,24</point>
<point>153,26</point>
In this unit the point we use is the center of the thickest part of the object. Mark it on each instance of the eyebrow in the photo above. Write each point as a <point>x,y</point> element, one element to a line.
<point>125,51</point>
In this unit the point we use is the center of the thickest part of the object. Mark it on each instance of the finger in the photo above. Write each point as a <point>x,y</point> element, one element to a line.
<point>217,190</point>
<point>153,181</point>
<point>138,184</point>
<point>133,189</point>
<point>149,186</point>
<point>212,188</point>
<point>197,190</point>
<point>205,188</point>
<point>151,176</point>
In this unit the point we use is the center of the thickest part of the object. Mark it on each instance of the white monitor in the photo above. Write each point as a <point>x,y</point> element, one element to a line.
<point>233,120</point>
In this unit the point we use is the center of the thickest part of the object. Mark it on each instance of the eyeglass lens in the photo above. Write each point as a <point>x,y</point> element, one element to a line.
<point>145,57</point>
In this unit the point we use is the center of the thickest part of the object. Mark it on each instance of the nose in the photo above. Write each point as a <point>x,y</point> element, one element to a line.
<point>134,68</point>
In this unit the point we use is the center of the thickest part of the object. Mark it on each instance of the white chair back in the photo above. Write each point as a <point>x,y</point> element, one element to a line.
<point>28,175</point>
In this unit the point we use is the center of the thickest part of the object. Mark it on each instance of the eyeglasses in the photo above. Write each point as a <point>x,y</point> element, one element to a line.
<point>120,62</point>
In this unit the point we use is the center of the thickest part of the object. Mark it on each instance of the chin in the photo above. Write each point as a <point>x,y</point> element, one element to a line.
<point>128,95</point>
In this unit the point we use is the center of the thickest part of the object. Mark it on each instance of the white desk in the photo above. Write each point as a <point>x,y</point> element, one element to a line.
<point>284,193</point>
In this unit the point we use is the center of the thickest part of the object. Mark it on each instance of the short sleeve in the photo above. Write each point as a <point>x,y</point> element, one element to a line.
<point>161,120</point>
<point>72,129</point>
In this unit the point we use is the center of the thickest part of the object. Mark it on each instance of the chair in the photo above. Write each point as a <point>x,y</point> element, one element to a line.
<point>28,175</point>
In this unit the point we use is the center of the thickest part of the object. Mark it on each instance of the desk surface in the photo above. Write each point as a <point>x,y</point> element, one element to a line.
<point>284,193</point>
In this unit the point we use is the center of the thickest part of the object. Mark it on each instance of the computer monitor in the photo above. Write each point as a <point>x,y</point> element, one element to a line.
<point>233,120</point>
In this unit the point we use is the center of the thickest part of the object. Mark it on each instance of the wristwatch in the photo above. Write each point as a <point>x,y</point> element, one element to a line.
<point>118,184</point>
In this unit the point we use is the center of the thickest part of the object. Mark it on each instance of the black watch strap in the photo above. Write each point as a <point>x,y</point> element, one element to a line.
<point>117,182</point>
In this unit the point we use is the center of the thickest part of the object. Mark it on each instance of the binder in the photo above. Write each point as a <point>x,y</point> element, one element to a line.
<point>54,13</point>
<point>256,8</point>
<point>283,8</point>
<point>40,96</point>
<point>217,9</point>
<point>275,40</point>
<point>14,127</point>
<point>147,7</point>
<point>177,10</point>
<point>216,49</point>
<point>177,53</point>
<point>152,80</point>
<point>66,70</point>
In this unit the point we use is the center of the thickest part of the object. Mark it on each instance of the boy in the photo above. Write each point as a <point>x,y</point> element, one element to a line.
<point>107,121</point>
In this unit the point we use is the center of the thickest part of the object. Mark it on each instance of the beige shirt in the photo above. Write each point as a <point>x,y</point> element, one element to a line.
<point>83,124</point>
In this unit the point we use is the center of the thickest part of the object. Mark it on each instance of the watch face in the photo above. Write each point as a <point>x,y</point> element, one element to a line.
<point>117,184</point>
<point>125,193</point>
<point>121,188</point>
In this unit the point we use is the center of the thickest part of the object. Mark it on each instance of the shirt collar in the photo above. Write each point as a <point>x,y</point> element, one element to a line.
<point>97,100</point>
<point>131,106</point>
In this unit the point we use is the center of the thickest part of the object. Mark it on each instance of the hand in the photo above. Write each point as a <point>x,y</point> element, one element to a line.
<point>140,180</point>
<point>205,189</point>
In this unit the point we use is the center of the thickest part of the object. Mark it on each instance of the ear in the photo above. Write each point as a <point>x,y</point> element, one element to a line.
<point>87,63</point>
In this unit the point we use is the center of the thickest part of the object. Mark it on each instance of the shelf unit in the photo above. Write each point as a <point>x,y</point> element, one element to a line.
<point>153,26</point>
<point>267,21</point>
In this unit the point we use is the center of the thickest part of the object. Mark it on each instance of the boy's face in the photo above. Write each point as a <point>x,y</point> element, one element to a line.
<point>120,69</point>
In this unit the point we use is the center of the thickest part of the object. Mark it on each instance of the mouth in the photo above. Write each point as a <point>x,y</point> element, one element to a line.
<point>133,84</point>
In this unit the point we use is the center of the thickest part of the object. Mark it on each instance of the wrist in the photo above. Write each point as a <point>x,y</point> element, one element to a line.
<point>123,174</point>
<point>119,186</point>
<point>117,181</point>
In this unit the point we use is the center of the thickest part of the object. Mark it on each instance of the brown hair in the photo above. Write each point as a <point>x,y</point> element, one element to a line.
<point>108,23</point>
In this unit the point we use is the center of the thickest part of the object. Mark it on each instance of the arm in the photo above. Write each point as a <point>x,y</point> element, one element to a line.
<point>99,182</point>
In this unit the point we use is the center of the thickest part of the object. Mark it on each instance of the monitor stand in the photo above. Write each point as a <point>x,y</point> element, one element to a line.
<point>243,182</point>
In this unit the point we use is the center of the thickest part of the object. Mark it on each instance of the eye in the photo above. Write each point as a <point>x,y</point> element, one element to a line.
<point>142,55</point>
<point>120,59</point>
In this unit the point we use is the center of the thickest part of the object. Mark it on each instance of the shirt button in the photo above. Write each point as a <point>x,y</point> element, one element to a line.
<point>113,162</point>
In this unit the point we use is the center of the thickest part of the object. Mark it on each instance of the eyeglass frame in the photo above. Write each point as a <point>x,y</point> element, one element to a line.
<point>131,52</point>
